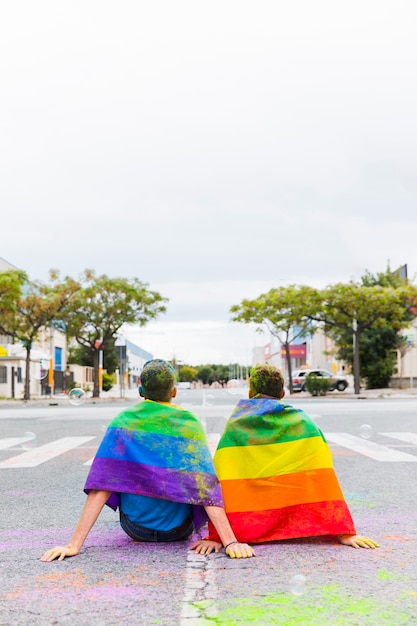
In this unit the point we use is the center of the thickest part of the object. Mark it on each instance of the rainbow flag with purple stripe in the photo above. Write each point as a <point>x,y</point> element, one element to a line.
<point>276,472</point>
<point>157,450</point>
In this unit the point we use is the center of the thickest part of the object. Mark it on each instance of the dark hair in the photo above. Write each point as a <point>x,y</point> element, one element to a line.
<point>267,380</point>
<point>157,380</point>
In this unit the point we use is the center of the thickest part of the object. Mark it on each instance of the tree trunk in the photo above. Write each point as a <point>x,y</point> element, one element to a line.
<point>96,363</point>
<point>26,395</point>
<point>289,367</point>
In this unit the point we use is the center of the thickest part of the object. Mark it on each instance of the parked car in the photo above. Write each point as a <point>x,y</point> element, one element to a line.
<point>298,379</point>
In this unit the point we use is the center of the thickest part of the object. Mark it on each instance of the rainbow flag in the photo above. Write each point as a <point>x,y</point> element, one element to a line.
<point>276,473</point>
<point>157,450</point>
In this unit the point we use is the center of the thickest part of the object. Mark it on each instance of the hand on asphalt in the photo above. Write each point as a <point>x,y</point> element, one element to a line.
<point>59,552</point>
<point>240,551</point>
<point>356,541</point>
<point>205,546</point>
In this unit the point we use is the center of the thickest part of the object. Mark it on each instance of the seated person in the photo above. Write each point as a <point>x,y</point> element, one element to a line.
<point>276,472</point>
<point>155,465</point>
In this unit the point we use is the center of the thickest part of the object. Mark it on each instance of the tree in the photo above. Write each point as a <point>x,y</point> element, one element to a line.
<point>282,310</point>
<point>187,374</point>
<point>378,346</point>
<point>11,285</point>
<point>103,306</point>
<point>220,374</point>
<point>204,373</point>
<point>81,355</point>
<point>342,310</point>
<point>352,309</point>
<point>37,306</point>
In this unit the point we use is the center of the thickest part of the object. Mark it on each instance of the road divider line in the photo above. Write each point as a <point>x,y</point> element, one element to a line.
<point>44,453</point>
<point>370,449</point>
<point>198,601</point>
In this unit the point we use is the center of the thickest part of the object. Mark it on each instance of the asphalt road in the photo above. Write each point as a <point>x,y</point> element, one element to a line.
<point>115,581</point>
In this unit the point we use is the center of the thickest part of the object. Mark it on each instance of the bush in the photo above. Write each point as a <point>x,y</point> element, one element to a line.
<point>317,385</point>
<point>107,382</point>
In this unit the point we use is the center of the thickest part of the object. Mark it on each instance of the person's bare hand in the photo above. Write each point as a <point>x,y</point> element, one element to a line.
<point>59,552</point>
<point>356,541</point>
<point>238,550</point>
<point>205,546</point>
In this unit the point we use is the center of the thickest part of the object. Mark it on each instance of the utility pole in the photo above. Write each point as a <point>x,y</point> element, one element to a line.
<point>51,364</point>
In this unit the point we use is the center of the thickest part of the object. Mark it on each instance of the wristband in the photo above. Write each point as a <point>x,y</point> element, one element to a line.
<point>230,544</point>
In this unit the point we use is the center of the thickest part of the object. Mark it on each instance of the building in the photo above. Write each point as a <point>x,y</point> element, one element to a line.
<point>306,351</point>
<point>131,360</point>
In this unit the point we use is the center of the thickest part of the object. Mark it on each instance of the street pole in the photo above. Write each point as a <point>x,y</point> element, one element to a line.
<point>411,365</point>
<point>356,361</point>
<point>100,368</point>
<point>51,364</point>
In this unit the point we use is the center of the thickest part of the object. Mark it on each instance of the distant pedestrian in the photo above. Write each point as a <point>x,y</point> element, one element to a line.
<point>276,472</point>
<point>155,465</point>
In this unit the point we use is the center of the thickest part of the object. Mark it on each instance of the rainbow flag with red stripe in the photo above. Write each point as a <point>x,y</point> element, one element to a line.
<point>157,450</point>
<point>276,473</point>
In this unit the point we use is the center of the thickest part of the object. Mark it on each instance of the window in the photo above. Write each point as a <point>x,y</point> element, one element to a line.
<point>58,359</point>
<point>3,374</point>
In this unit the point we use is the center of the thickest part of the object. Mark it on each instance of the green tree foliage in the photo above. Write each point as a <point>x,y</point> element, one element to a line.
<point>281,310</point>
<point>11,286</point>
<point>221,374</point>
<point>204,374</point>
<point>343,311</point>
<point>103,306</point>
<point>209,373</point>
<point>187,374</point>
<point>107,381</point>
<point>377,350</point>
<point>37,306</point>
<point>352,309</point>
<point>82,355</point>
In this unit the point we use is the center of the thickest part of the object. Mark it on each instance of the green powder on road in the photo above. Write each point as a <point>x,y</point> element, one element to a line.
<point>327,605</point>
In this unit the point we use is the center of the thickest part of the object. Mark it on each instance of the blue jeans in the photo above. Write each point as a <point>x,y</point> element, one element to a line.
<point>140,533</point>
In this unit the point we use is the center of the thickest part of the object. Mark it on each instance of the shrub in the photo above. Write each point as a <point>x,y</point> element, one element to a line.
<point>107,382</point>
<point>317,385</point>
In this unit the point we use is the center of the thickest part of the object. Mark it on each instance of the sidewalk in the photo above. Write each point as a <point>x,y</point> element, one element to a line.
<point>364,394</point>
<point>131,395</point>
<point>111,396</point>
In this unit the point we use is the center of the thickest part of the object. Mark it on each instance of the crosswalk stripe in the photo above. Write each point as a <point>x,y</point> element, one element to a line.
<point>370,448</point>
<point>407,437</point>
<point>11,442</point>
<point>44,453</point>
<point>41,454</point>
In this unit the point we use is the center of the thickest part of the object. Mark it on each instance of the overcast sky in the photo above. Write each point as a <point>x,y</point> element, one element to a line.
<point>212,149</point>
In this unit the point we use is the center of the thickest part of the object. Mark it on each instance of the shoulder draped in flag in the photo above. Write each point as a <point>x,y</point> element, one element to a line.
<point>157,450</point>
<point>276,473</point>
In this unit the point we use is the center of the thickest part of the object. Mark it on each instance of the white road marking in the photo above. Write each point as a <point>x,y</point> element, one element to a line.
<point>40,455</point>
<point>11,442</point>
<point>198,602</point>
<point>407,437</point>
<point>89,462</point>
<point>370,448</point>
